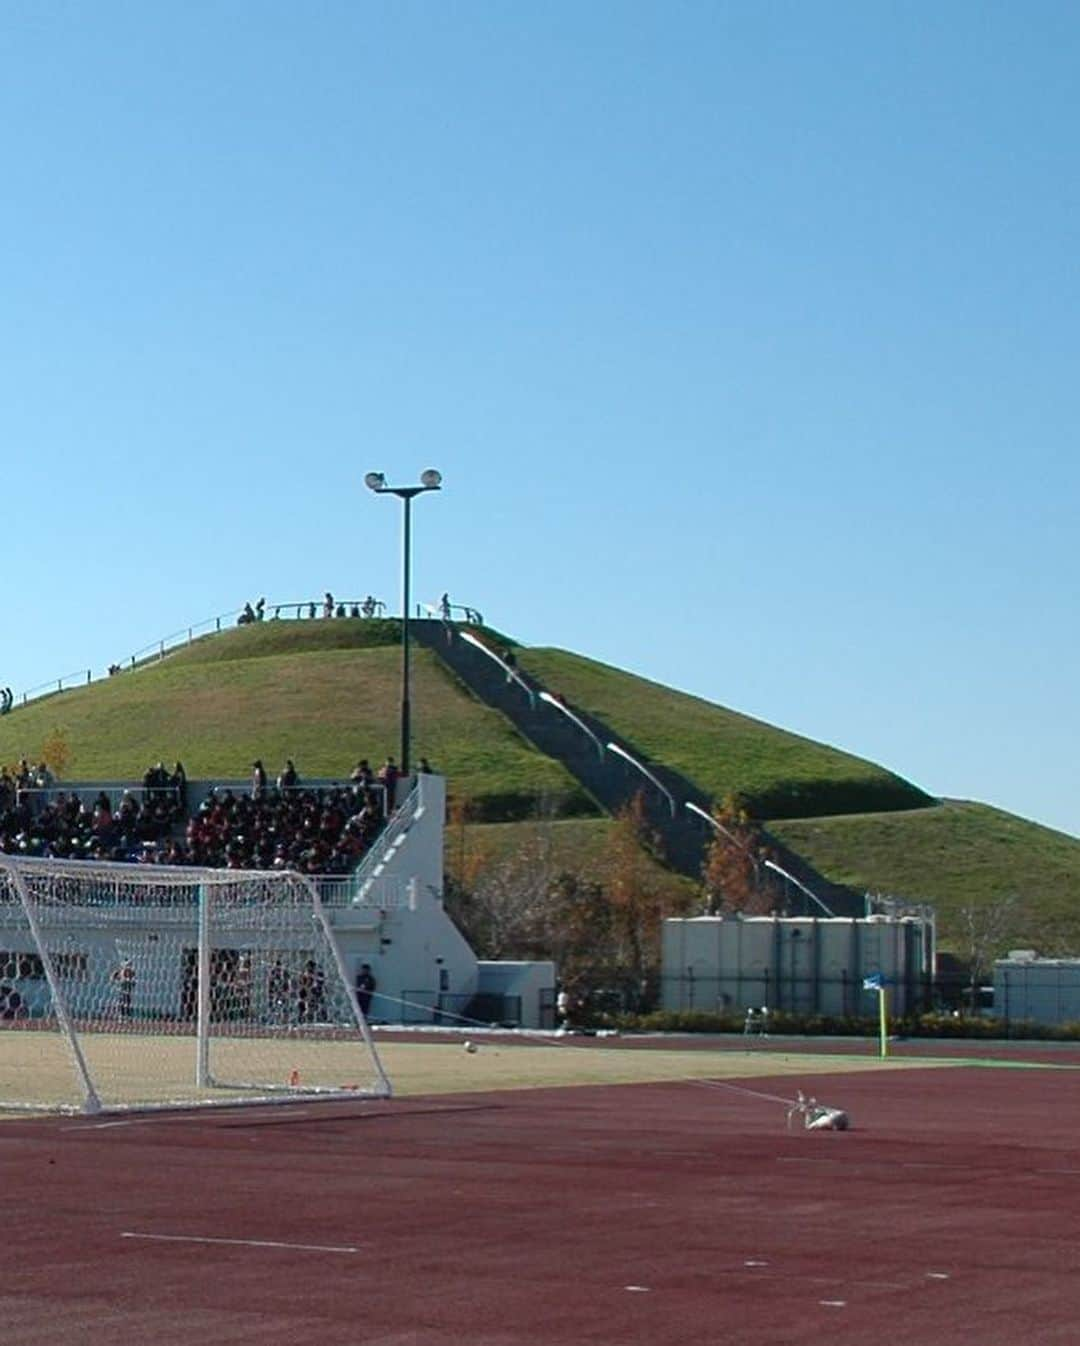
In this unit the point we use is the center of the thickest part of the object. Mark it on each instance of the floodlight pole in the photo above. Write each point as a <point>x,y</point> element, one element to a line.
<point>429,481</point>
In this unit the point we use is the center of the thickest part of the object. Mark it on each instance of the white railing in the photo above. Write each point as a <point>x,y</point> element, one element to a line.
<point>447,612</point>
<point>512,675</point>
<point>640,766</point>
<point>387,892</point>
<point>371,872</point>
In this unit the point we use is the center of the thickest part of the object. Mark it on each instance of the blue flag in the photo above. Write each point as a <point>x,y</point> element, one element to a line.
<point>875,982</point>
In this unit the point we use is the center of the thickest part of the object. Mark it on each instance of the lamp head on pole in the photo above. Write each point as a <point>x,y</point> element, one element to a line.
<point>430,480</point>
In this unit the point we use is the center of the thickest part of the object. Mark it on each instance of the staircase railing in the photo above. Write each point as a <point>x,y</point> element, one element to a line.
<point>371,877</point>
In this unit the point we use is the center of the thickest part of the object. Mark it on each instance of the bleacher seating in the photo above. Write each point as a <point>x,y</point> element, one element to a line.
<point>317,830</point>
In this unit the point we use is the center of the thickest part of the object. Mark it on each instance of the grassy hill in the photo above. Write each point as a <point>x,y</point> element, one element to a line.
<point>327,693</point>
<point>322,693</point>
<point>778,774</point>
<point>955,855</point>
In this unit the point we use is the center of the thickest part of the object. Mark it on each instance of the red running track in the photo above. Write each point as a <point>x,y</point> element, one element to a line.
<point>665,1213</point>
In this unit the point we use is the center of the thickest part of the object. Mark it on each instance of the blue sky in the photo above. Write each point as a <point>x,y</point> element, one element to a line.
<point>743,334</point>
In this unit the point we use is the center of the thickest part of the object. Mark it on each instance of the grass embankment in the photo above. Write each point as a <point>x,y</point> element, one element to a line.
<point>319,692</point>
<point>778,774</point>
<point>954,856</point>
<point>581,846</point>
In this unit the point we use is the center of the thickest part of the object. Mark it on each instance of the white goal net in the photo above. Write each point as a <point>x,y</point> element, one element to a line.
<point>139,986</point>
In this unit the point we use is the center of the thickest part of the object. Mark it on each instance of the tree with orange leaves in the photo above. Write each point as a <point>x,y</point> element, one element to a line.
<point>638,903</point>
<point>733,870</point>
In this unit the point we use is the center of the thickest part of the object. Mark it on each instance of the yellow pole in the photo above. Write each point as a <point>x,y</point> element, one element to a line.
<point>883,1017</point>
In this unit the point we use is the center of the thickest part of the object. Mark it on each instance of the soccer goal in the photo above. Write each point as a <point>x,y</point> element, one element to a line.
<point>144,986</point>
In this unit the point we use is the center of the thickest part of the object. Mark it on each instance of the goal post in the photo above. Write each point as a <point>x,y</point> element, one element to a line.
<point>146,986</point>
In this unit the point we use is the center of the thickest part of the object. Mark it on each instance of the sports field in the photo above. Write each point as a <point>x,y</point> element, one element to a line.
<point>484,1204</point>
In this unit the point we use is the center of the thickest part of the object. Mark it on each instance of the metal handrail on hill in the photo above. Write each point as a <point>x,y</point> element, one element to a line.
<point>446,612</point>
<point>512,675</point>
<point>292,611</point>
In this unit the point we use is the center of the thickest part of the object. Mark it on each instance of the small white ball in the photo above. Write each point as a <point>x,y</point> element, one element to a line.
<point>470,1046</point>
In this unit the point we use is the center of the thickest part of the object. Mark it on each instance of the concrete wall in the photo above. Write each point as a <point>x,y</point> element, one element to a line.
<point>532,985</point>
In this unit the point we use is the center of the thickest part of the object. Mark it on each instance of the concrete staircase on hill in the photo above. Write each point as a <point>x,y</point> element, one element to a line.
<point>609,779</point>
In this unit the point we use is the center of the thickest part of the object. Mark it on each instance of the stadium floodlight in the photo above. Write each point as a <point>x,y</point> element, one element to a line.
<point>430,480</point>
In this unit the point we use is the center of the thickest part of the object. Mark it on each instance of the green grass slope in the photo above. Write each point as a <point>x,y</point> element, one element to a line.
<point>323,693</point>
<point>779,774</point>
<point>955,856</point>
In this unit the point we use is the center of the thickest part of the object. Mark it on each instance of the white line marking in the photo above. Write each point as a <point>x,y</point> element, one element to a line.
<point>937,1275</point>
<point>642,1289</point>
<point>245,1243</point>
<point>833,1303</point>
<point>97,1126</point>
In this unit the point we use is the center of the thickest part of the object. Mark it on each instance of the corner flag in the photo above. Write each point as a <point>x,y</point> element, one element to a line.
<point>876,982</point>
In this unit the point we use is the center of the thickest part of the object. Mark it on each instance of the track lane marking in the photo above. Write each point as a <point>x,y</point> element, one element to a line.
<point>243,1243</point>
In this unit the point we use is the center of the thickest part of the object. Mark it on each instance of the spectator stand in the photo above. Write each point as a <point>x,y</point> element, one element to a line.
<point>321,827</point>
<point>107,822</point>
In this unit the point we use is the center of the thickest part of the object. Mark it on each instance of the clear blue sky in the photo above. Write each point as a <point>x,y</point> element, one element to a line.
<point>744,336</point>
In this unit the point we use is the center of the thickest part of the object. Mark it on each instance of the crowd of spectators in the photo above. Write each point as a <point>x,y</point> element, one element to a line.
<point>68,827</point>
<point>318,830</point>
<point>24,777</point>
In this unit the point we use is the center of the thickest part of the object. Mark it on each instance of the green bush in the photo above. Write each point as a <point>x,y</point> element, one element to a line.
<point>509,806</point>
<point>782,1023</point>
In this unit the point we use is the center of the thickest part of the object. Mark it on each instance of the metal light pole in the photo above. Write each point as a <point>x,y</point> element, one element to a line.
<point>429,481</point>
